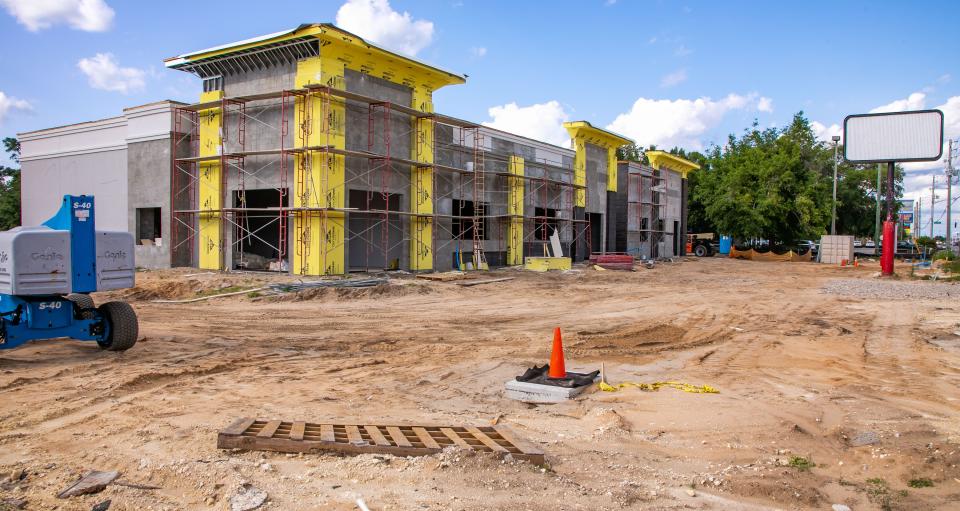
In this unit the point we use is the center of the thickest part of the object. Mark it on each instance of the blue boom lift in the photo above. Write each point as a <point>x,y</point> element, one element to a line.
<point>47,274</point>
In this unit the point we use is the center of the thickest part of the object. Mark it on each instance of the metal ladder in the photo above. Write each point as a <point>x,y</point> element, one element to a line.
<point>479,209</point>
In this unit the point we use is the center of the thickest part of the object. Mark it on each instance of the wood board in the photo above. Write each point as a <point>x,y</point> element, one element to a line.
<point>399,440</point>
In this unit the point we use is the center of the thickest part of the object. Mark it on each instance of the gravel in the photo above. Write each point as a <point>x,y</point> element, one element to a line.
<point>892,290</point>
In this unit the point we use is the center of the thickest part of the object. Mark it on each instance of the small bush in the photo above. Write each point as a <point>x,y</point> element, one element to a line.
<point>920,482</point>
<point>944,254</point>
<point>801,463</point>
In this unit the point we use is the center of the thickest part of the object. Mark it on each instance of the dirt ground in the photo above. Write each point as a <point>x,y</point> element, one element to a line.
<point>824,398</point>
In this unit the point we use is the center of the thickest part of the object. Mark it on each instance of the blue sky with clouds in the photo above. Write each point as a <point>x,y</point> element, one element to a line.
<point>661,72</point>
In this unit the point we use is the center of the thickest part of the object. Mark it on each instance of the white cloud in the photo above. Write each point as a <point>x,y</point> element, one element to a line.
<point>678,122</point>
<point>478,51</point>
<point>88,15</point>
<point>377,21</point>
<point>826,133</point>
<point>951,129</point>
<point>104,73</point>
<point>11,104</point>
<point>541,121</point>
<point>682,51</point>
<point>677,77</point>
<point>765,104</point>
<point>915,101</point>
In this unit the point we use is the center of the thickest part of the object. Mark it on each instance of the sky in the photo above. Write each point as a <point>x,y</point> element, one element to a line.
<point>685,73</point>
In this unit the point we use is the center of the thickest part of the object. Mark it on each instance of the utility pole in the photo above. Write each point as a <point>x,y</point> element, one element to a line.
<point>833,216</point>
<point>933,200</point>
<point>918,221</point>
<point>949,237</point>
<point>876,230</point>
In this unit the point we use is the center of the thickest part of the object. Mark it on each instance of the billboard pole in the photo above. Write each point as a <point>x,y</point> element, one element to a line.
<point>889,228</point>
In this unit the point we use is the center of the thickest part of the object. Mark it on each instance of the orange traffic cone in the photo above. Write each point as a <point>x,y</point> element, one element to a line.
<point>557,369</point>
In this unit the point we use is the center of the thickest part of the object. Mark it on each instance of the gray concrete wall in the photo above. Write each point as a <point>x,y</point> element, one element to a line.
<point>270,79</point>
<point>635,197</point>
<point>376,240</point>
<point>674,215</point>
<point>148,186</point>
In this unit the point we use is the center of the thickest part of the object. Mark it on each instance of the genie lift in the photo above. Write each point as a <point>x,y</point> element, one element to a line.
<point>47,274</point>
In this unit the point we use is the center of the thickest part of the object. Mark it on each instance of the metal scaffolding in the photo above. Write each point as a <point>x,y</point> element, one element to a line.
<point>646,209</point>
<point>377,222</point>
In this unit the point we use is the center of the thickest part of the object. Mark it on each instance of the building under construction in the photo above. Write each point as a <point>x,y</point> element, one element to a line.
<point>315,152</point>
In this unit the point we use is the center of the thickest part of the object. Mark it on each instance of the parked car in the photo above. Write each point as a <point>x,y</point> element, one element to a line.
<point>857,243</point>
<point>870,244</point>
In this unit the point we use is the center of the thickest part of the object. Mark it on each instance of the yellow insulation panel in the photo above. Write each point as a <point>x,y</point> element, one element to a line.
<point>580,172</point>
<point>421,184</point>
<point>515,193</point>
<point>611,169</point>
<point>319,177</point>
<point>547,263</point>
<point>210,186</point>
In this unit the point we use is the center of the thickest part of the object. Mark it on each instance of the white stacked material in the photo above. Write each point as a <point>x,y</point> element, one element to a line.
<point>834,249</point>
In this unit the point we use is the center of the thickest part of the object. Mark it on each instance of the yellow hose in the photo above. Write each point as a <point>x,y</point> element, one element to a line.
<point>686,387</point>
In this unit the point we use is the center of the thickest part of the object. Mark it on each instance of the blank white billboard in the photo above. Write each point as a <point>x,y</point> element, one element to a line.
<point>898,136</point>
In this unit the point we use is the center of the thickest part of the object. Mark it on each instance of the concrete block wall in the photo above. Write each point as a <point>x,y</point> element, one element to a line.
<point>834,249</point>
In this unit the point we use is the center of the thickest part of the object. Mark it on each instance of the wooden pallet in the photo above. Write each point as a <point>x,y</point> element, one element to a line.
<point>298,436</point>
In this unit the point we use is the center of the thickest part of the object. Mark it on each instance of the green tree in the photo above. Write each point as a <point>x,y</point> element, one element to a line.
<point>10,187</point>
<point>767,184</point>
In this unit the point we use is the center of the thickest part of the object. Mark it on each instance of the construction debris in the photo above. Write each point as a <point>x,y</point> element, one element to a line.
<point>444,277</point>
<point>11,503</point>
<point>289,287</point>
<point>202,298</point>
<point>398,440</point>
<point>247,498</point>
<point>346,283</point>
<point>613,261</point>
<point>93,482</point>
<point>482,282</point>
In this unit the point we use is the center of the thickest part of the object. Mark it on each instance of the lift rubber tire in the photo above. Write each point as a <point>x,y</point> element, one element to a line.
<point>124,327</point>
<point>701,251</point>
<point>84,301</point>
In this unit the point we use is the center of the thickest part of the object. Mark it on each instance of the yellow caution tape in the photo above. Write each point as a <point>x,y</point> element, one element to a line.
<point>686,387</point>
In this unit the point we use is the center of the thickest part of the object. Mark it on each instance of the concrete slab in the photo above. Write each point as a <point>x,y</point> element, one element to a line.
<point>537,393</point>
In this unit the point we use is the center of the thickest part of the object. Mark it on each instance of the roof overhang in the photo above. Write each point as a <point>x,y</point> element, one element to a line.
<point>305,41</point>
<point>596,136</point>
<point>661,159</point>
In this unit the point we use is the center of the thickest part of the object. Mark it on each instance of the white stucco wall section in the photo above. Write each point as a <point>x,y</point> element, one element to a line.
<point>87,158</point>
